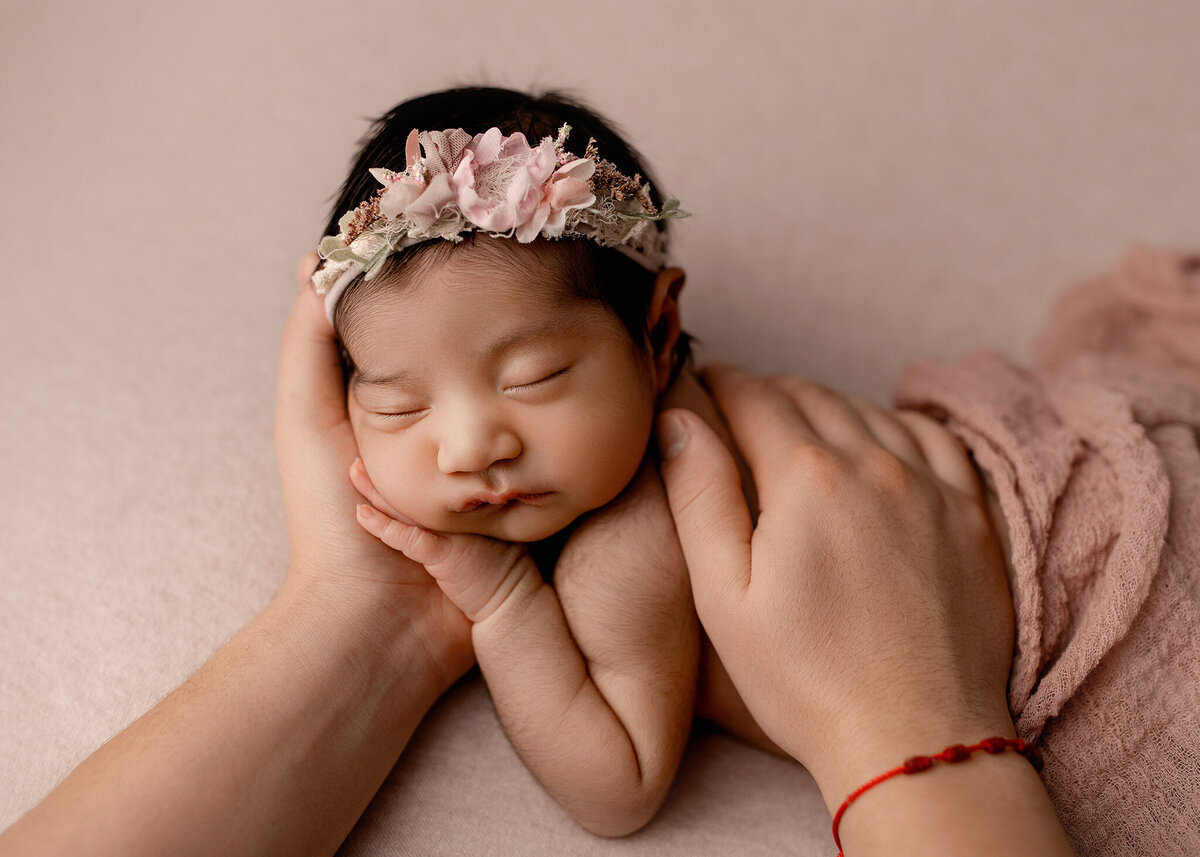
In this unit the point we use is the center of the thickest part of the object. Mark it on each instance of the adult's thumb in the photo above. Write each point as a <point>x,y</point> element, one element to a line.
<point>710,511</point>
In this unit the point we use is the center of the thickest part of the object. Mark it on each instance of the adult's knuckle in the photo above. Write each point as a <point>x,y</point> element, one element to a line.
<point>805,389</point>
<point>888,473</point>
<point>818,466</point>
<point>868,409</point>
<point>791,383</point>
<point>756,387</point>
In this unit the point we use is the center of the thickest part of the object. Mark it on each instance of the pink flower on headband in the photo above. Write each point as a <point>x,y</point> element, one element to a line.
<point>499,181</point>
<point>409,194</point>
<point>402,188</point>
<point>567,190</point>
<point>453,183</point>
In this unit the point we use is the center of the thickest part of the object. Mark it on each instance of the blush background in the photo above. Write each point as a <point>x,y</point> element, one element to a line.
<point>871,182</point>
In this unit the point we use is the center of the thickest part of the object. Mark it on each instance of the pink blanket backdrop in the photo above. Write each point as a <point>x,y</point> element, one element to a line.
<point>872,182</point>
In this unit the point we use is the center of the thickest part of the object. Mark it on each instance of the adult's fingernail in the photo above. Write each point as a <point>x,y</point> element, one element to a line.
<point>672,435</point>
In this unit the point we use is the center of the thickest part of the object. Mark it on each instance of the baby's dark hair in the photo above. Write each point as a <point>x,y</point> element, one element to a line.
<point>593,272</point>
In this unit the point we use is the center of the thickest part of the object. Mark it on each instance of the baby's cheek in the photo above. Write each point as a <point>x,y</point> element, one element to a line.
<point>395,477</point>
<point>608,463</point>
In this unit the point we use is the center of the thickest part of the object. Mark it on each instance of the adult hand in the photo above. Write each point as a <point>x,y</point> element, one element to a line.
<point>278,743</point>
<point>315,446</point>
<point>866,617</point>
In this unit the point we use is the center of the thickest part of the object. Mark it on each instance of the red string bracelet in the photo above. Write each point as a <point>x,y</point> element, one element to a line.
<point>952,754</point>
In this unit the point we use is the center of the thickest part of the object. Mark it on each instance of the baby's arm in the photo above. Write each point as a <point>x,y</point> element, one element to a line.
<point>626,597</point>
<point>595,691</point>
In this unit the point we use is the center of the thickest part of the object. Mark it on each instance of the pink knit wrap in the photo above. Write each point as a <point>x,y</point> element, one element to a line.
<point>1095,456</point>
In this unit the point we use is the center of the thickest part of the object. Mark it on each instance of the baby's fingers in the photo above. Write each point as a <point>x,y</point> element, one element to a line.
<point>415,543</point>
<point>477,574</point>
<point>361,480</point>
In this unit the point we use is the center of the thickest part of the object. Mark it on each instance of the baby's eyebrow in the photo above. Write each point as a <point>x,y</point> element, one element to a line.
<point>534,333</point>
<point>531,333</point>
<point>362,379</point>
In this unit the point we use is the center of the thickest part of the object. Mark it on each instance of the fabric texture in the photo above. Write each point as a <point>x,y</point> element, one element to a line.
<point>1094,455</point>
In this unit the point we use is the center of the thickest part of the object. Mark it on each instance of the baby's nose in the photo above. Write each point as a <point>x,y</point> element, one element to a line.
<point>474,445</point>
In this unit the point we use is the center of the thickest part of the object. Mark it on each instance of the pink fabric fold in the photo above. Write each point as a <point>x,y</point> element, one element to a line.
<point>1094,454</point>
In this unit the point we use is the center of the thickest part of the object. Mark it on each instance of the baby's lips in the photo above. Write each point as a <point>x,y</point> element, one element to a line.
<point>498,500</point>
<point>479,500</point>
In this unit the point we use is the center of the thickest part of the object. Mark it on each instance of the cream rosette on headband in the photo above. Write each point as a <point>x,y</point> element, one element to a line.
<point>497,184</point>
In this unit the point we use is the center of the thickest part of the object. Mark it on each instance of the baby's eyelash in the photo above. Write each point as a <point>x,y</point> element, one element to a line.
<point>401,414</point>
<point>539,381</point>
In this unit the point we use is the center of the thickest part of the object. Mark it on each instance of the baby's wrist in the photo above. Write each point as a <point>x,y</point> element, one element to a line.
<point>515,592</point>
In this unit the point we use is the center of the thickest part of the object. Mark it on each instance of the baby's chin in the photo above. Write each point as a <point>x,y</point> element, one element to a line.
<point>523,535</point>
<point>522,524</point>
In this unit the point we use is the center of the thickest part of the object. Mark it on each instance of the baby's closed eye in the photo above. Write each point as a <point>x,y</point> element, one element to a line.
<point>538,381</point>
<point>404,413</point>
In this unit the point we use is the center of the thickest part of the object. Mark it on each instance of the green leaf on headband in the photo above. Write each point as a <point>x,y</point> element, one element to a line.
<point>343,254</point>
<point>669,210</point>
<point>345,219</point>
<point>330,244</point>
<point>371,266</point>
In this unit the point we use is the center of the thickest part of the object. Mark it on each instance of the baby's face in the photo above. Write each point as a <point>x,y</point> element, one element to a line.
<point>497,404</point>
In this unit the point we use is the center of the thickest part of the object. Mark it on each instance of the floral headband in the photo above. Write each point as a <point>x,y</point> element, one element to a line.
<point>498,184</point>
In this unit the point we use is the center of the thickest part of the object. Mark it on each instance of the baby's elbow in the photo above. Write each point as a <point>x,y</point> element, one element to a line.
<point>622,816</point>
<point>613,826</point>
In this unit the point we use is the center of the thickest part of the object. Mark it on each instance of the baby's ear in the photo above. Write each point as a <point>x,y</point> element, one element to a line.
<point>662,321</point>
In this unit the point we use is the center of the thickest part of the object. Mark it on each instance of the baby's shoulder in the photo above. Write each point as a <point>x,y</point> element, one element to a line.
<point>688,392</point>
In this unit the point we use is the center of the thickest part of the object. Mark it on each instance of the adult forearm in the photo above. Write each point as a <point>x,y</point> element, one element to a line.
<point>275,746</point>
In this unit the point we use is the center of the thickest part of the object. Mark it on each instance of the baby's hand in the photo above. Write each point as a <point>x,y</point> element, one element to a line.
<point>477,573</point>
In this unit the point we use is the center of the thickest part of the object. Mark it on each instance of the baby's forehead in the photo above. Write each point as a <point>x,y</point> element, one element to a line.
<point>549,264</point>
<point>412,337</point>
<point>487,340</point>
<point>481,297</point>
